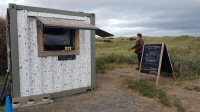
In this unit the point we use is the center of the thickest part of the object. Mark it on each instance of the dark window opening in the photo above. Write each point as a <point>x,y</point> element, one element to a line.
<point>58,38</point>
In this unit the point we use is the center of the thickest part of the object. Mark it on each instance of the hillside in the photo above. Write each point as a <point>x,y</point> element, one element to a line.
<point>182,45</point>
<point>184,52</point>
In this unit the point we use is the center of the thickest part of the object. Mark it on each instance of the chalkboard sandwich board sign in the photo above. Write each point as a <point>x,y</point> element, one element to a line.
<point>155,58</point>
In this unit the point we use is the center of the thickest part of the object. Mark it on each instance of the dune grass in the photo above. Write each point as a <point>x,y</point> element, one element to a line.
<point>116,59</point>
<point>182,45</point>
<point>184,52</point>
<point>188,66</point>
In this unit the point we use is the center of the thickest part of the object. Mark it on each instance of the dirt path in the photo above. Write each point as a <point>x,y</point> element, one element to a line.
<point>189,99</point>
<point>111,95</point>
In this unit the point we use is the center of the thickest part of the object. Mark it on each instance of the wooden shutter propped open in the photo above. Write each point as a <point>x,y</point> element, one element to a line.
<point>72,23</point>
<point>103,33</point>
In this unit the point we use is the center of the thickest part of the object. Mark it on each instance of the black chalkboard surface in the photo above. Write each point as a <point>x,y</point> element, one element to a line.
<point>151,58</point>
<point>155,59</point>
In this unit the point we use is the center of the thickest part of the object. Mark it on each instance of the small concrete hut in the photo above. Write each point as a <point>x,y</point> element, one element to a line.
<point>51,51</point>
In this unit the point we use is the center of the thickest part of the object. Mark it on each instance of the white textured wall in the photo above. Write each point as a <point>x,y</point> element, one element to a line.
<point>40,75</point>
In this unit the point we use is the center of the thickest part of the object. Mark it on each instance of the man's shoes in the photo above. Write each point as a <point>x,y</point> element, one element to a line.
<point>137,68</point>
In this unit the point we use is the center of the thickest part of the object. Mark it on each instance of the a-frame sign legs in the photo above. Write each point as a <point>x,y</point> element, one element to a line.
<point>160,62</point>
<point>164,63</point>
<point>170,62</point>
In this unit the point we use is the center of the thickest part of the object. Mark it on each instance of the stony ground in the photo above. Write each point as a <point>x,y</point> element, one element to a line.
<point>112,95</point>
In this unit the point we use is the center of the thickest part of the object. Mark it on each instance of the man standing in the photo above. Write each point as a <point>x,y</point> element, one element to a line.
<point>138,48</point>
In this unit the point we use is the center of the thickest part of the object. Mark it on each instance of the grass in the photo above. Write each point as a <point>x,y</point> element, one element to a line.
<point>102,61</point>
<point>182,46</point>
<point>178,105</point>
<point>112,66</point>
<point>186,65</point>
<point>150,91</point>
<point>193,88</point>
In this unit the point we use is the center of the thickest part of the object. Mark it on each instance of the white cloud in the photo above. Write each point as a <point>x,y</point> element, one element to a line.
<point>6,2</point>
<point>157,17</point>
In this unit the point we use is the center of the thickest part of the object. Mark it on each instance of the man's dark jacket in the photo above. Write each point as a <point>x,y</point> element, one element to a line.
<point>138,46</point>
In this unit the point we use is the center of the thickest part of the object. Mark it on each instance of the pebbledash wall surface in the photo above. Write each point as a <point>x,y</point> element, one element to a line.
<point>34,75</point>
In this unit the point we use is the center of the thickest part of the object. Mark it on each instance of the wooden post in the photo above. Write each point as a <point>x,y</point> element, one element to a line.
<point>160,62</point>
<point>40,37</point>
<point>77,41</point>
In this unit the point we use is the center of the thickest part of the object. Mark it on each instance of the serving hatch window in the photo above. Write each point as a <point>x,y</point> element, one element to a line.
<point>59,36</point>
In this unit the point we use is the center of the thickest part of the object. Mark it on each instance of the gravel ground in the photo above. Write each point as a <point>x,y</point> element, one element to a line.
<point>111,95</point>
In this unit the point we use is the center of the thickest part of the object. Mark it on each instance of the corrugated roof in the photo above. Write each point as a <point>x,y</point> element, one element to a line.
<point>47,21</point>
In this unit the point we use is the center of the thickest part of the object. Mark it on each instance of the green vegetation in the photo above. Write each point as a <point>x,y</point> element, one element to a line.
<point>184,52</point>
<point>186,65</point>
<point>111,59</point>
<point>193,88</point>
<point>178,105</point>
<point>112,66</point>
<point>148,90</point>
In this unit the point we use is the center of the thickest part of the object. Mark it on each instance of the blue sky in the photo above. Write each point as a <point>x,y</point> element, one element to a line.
<point>128,17</point>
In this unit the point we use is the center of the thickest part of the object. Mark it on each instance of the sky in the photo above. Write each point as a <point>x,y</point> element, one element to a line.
<point>129,17</point>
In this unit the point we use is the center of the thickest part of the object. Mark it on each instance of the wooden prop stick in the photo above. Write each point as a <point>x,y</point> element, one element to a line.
<point>160,62</point>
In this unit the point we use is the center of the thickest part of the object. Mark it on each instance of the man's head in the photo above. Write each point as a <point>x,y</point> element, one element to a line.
<point>139,35</point>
